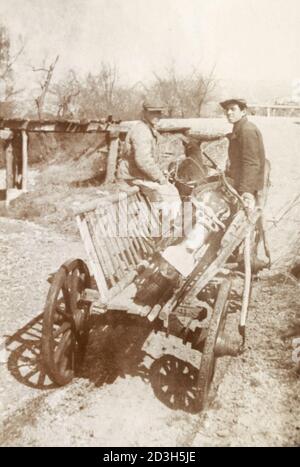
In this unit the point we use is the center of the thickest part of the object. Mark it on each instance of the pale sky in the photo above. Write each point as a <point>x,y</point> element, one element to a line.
<point>246,39</point>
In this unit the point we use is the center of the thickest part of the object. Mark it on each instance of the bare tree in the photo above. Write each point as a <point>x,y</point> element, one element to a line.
<point>101,94</point>
<point>201,89</point>
<point>107,80</point>
<point>7,62</point>
<point>44,85</point>
<point>169,88</point>
<point>65,92</point>
<point>183,95</point>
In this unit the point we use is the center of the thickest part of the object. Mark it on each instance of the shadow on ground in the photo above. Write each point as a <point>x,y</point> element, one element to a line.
<point>115,349</point>
<point>24,355</point>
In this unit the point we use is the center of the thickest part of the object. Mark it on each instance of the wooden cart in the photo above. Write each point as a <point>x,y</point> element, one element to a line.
<point>117,262</point>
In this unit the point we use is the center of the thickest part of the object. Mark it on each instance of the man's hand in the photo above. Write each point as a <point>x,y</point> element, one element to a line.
<point>249,201</point>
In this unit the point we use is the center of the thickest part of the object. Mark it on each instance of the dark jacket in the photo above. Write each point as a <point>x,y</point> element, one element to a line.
<point>246,157</point>
<point>140,156</point>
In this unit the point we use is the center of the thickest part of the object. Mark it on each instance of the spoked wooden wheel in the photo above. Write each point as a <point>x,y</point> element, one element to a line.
<point>208,359</point>
<point>65,322</point>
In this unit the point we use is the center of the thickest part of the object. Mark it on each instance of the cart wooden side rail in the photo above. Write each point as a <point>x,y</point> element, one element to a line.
<point>116,260</point>
<point>117,232</point>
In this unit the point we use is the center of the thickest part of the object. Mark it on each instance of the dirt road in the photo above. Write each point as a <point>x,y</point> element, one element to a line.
<point>255,400</point>
<point>115,401</point>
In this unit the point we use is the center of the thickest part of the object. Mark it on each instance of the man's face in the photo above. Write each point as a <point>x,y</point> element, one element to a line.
<point>234,114</point>
<point>153,118</point>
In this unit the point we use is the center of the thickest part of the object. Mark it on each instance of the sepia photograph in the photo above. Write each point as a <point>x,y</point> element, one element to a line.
<point>149,225</point>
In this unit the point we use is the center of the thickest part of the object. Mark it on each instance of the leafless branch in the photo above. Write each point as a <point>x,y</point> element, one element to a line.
<point>17,55</point>
<point>40,100</point>
<point>9,94</point>
<point>40,69</point>
<point>12,61</point>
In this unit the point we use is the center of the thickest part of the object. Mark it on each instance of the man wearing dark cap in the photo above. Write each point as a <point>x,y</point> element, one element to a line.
<point>140,159</point>
<point>246,152</point>
<point>139,162</point>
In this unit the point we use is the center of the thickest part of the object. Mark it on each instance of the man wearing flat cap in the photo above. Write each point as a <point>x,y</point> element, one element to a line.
<point>139,162</point>
<point>246,152</point>
<point>140,159</point>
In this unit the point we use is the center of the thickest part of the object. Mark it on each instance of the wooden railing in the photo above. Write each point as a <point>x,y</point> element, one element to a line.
<point>271,109</point>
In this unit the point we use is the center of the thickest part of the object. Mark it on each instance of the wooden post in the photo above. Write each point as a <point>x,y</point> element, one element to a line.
<point>9,157</point>
<point>247,284</point>
<point>112,158</point>
<point>24,159</point>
